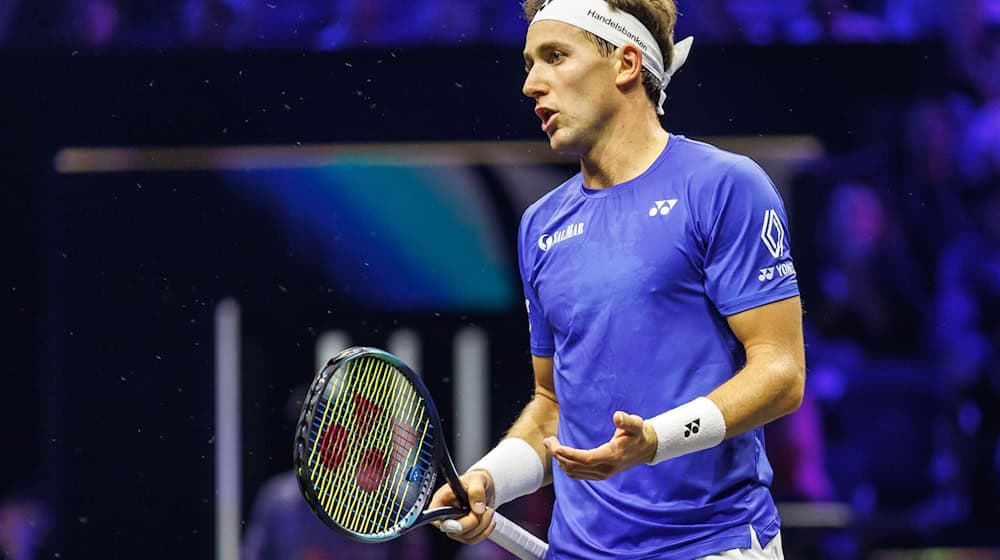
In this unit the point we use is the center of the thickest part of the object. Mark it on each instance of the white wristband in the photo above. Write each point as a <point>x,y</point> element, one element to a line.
<point>690,427</point>
<point>515,467</point>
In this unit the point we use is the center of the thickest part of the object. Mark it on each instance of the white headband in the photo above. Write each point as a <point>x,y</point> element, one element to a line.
<point>618,28</point>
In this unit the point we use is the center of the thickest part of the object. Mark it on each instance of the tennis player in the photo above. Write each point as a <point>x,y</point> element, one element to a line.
<point>665,322</point>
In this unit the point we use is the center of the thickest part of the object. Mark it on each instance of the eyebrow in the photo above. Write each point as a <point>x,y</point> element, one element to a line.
<point>550,45</point>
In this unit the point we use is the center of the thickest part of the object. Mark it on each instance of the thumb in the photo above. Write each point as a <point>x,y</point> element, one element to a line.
<point>477,492</point>
<point>630,423</point>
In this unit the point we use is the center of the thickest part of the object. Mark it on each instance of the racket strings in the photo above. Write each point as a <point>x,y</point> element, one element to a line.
<point>373,422</point>
<point>371,445</point>
<point>387,503</point>
<point>337,492</point>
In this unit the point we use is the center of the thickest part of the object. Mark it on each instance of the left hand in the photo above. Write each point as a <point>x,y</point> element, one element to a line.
<point>634,443</point>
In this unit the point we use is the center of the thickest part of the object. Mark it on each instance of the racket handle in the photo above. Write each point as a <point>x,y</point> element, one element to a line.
<point>516,540</point>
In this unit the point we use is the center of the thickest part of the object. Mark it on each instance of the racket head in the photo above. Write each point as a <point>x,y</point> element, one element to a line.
<point>368,446</point>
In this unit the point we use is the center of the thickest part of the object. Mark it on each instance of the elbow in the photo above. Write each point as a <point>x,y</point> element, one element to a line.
<point>794,387</point>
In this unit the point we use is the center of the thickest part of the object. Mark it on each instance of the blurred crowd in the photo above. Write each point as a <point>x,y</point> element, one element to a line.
<point>900,235</point>
<point>344,24</point>
<point>897,237</point>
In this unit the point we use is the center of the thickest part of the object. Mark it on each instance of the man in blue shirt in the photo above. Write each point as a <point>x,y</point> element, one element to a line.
<point>663,308</point>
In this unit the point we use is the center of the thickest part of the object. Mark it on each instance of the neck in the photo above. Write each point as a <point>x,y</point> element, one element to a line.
<point>626,148</point>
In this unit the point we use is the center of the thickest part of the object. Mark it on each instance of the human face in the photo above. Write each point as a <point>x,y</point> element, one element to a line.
<point>572,84</point>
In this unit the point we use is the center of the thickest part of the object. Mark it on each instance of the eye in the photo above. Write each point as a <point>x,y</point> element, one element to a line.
<point>556,57</point>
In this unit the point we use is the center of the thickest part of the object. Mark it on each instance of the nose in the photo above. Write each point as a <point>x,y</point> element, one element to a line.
<point>534,85</point>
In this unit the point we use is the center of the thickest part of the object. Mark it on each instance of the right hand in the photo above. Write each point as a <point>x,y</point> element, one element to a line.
<point>478,523</point>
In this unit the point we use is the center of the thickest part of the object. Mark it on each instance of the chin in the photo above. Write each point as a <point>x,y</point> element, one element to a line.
<point>563,143</point>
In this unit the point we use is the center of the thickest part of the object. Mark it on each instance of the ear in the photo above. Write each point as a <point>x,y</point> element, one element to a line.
<point>629,66</point>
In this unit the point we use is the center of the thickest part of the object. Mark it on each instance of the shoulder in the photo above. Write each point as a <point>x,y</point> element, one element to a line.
<point>542,210</point>
<point>716,178</point>
<point>710,165</point>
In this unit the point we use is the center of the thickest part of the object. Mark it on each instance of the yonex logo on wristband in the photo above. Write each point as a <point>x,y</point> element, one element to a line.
<point>692,427</point>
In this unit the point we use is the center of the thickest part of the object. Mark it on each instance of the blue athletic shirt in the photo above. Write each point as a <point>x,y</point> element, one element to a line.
<point>628,288</point>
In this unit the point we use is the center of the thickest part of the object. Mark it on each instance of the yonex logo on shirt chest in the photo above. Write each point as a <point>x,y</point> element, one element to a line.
<point>662,207</point>
<point>546,241</point>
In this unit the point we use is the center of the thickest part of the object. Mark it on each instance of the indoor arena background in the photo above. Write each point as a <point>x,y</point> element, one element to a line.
<point>203,199</point>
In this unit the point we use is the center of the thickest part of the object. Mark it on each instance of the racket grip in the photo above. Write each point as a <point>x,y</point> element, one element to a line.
<point>517,540</point>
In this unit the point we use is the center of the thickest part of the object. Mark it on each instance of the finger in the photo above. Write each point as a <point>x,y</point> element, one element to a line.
<point>482,529</point>
<point>569,466</point>
<point>477,494</point>
<point>587,474</point>
<point>444,496</point>
<point>571,453</point>
<point>551,444</point>
<point>460,528</point>
<point>469,529</point>
<point>576,470</point>
<point>567,463</point>
<point>598,455</point>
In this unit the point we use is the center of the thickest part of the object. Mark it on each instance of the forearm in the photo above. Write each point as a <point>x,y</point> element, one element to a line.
<point>519,464</point>
<point>538,420</point>
<point>768,387</point>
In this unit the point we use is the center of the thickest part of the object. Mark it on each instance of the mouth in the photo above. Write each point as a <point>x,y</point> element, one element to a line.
<point>547,116</point>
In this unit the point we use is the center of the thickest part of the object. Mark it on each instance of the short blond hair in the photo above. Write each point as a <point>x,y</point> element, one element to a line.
<point>659,17</point>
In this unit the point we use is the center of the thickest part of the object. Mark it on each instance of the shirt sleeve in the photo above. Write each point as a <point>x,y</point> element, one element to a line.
<point>748,257</point>
<point>541,340</point>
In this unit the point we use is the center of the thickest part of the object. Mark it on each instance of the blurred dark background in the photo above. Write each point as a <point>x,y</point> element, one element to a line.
<point>358,169</point>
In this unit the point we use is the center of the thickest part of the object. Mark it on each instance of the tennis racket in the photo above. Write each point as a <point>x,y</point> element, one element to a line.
<point>368,450</point>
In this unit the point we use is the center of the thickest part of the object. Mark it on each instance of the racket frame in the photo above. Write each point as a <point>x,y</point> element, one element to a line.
<point>440,458</point>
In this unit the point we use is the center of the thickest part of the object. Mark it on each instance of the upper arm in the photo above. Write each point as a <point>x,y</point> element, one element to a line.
<point>773,329</point>
<point>747,251</point>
